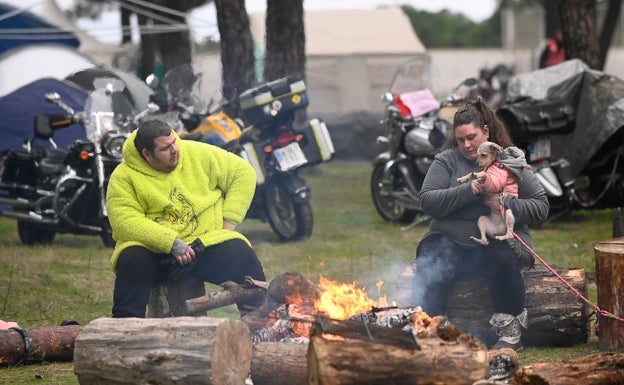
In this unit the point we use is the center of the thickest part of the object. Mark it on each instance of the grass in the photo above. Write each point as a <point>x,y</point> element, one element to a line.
<point>41,286</point>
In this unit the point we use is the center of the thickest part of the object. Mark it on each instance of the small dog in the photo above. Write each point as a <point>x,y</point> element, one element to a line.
<point>496,180</point>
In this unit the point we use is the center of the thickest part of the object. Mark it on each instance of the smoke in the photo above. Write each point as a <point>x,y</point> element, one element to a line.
<point>432,266</point>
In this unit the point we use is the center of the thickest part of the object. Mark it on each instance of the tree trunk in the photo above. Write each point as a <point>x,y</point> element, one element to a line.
<point>237,47</point>
<point>450,361</point>
<point>126,36</point>
<point>598,369</point>
<point>182,350</point>
<point>608,28</point>
<point>609,256</point>
<point>578,18</point>
<point>35,345</point>
<point>285,40</point>
<point>279,363</point>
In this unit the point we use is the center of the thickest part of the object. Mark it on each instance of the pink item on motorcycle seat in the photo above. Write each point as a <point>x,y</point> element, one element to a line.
<point>420,102</point>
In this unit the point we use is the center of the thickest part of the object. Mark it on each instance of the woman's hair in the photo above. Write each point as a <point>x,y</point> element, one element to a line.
<point>478,113</point>
<point>148,131</point>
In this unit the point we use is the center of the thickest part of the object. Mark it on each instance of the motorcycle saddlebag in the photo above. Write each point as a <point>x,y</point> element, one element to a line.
<point>528,118</point>
<point>317,145</point>
<point>17,168</point>
<point>253,155</point>
<point>269,102</point>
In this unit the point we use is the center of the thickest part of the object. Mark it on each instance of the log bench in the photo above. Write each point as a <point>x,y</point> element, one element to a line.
<point>168,299</point>
<point>557,317</point>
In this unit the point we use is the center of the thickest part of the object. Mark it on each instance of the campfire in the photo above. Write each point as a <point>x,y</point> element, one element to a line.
<point>295,304</point>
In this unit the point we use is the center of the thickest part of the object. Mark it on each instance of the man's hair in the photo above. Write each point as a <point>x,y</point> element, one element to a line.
<point>148,131</point>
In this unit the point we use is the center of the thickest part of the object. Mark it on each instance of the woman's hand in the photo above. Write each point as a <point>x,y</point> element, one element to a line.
<point>228,225</point>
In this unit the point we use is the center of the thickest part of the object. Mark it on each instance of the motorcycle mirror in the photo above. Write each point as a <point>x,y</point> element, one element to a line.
<point>387,97</point>
<point>152,81</point>
<point>53,97</point>
<point>470,82</point>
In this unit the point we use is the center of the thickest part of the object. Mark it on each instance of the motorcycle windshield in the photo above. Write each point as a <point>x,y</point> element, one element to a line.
<point>410,76</point>
<point>183,85</point>
<point>107,110</point>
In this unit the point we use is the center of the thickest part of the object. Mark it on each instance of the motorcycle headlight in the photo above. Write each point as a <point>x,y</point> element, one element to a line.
<point>113,145</point>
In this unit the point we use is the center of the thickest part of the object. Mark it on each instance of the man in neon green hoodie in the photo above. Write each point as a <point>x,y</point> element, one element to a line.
<point>166,194</point>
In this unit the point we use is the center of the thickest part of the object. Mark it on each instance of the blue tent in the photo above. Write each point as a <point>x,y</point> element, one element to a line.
<point>19,109</point>
<point>18,27</point>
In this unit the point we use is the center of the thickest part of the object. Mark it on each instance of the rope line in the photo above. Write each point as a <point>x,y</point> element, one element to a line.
<point>597,309</point>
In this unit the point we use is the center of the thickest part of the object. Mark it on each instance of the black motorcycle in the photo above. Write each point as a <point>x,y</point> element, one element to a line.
<point>49,190</point>
<point>416,126</point>
<point>263,133</point>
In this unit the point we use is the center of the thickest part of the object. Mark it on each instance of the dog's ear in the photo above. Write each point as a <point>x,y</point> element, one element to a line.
<point>496,149</point>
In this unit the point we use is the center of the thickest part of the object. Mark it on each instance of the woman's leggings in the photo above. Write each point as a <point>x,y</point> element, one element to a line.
<point>440,262</point>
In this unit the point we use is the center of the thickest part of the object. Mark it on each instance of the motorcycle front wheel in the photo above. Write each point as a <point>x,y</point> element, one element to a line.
<point>32,234</point>
<point>289,218</point>
<point>385,204</point>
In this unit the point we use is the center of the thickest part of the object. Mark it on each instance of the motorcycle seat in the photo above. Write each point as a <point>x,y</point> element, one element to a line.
<point>52,160</point>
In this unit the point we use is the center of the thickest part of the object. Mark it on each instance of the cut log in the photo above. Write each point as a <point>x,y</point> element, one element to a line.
<point>557,317</point>
<point>459,360</point>
<point>279,363</point>
<point>598,369</point>
<point>609,256</point>
<point>181,350</point>
<point>37,345</point>
<point>168,299</point>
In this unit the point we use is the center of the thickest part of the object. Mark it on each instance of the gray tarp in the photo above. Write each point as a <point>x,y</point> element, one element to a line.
<point>598,101</point>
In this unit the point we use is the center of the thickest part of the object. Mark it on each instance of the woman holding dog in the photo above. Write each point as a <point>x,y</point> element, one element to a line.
<point>447,254</point>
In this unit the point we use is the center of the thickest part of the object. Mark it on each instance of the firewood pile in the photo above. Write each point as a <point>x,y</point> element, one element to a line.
<point>298,336</point>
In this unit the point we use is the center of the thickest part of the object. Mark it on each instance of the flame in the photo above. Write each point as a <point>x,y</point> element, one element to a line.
<point>341,300</point>
<point>421,320</point>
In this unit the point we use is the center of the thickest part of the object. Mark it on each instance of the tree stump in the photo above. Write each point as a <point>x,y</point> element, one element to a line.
<point>557,317</point>
<point>168,299</point>
<point>181,350</point>
<point>609,256</point>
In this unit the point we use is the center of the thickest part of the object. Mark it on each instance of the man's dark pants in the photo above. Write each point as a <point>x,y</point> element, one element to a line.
<point>139,270</point>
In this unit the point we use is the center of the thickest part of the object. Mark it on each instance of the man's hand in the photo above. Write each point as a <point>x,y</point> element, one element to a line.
<point>187,257</point>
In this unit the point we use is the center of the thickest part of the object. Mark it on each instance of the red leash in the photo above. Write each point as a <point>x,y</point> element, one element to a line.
<point>579,294</point>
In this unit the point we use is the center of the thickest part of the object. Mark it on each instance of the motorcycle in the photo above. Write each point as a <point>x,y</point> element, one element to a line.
<point>572,138</point>
<point>265,135</point>
<point>50,190</point>
<point>415,126</point>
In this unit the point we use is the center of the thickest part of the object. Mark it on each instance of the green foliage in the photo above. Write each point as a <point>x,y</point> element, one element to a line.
<point>41,286</point>
<point>445,29</point>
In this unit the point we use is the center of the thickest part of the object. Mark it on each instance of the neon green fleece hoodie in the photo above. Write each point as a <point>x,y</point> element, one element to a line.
<point>151,208</point>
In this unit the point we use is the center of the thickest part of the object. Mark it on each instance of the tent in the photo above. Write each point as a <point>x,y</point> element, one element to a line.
<point>21,106</point>
<point>19,27</point>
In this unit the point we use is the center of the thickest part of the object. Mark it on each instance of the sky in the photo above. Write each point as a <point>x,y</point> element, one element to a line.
<point>203,20</point>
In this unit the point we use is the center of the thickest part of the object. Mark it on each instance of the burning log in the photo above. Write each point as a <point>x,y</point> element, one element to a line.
<point>36,345</point>
<point>598,369</point>
<point>232,293</point>
<point>189,350</point>
<point>557,317</point>
<point>445,355</point>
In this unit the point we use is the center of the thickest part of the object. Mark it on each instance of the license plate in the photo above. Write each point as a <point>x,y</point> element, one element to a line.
<point>290,157</point>
<point>539,149</point>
